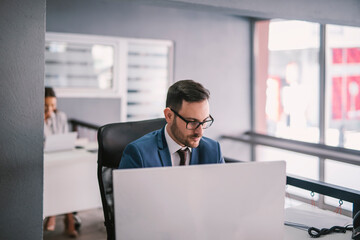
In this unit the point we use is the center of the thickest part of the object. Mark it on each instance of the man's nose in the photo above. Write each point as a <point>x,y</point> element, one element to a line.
<point>199,130</point>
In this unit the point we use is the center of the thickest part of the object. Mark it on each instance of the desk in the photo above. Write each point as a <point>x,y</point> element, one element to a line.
<point>70,181</point>
<point>292,233</point>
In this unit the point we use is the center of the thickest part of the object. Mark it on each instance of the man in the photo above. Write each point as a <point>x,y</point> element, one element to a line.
<point>181,141</point>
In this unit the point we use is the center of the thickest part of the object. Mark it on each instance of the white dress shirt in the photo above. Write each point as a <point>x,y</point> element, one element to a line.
<point>173,148</point>
<point>56,124</point>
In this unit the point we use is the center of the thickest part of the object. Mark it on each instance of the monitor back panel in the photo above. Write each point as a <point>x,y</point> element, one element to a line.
<point>60,142</point>
<point>222,201</point>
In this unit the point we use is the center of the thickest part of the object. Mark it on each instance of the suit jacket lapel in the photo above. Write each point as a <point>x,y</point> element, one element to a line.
<point>194,159</point>
<point>163,149</point>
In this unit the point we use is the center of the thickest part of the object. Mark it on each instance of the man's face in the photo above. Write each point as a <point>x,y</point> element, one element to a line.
<point>195,111</point>
<point>50,106</point>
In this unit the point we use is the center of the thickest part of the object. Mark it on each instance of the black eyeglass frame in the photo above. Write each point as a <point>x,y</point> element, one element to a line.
<point>211,120</point>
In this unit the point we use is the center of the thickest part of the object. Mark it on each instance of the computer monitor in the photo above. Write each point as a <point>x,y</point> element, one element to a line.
<point>60,142</point>
<point>219,201</point>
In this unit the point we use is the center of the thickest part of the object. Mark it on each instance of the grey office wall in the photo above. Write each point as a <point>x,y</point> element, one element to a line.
<point>98,111</point>
<point>209,47</point>
<point>22,31</point>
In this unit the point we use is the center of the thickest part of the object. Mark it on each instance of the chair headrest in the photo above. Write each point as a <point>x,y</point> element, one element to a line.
<point>114,137</point>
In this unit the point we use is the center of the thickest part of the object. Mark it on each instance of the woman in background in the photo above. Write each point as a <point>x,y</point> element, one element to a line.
<point>55,122</point>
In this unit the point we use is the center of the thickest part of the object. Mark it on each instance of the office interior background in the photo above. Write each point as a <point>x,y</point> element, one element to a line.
<point>289,70</point>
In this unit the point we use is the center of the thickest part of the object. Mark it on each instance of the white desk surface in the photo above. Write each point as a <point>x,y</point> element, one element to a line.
<point>292,233</point>
<point>70,181</point>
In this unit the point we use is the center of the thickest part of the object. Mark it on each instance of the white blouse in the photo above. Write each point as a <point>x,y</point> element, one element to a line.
<point>56,124</point>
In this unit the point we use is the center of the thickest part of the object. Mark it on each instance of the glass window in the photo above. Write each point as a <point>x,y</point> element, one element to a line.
<point>296,164</point>
<point>286,97</point>
<point>287,79</point>
<point>341,174</point>
<point>343,86</point>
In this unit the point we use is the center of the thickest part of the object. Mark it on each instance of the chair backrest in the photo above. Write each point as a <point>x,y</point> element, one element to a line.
<point>112,140</point>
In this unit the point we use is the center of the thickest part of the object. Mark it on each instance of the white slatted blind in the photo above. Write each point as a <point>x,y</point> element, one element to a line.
<point>148,79</point>
<point>79,65</point>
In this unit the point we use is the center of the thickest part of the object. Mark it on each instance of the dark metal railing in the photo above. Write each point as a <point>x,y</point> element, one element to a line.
<point>327,189</point>
<point>319,150</point>
<point>75,124</point>
<point>84,129</point>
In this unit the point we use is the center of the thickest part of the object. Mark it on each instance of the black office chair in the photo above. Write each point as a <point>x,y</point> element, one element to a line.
<point>112,139</point>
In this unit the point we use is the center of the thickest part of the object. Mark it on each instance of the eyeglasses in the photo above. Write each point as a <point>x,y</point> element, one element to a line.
<point>192,125</point>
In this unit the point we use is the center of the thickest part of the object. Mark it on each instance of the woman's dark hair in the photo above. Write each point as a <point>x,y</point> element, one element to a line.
<point>49,92</point>
<point>187,90</point>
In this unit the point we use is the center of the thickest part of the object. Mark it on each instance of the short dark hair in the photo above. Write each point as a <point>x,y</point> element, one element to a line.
<point>49,92</point>
<point>187,90</point>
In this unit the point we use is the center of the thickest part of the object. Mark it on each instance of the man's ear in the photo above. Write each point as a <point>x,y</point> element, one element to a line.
<point>169,115</point>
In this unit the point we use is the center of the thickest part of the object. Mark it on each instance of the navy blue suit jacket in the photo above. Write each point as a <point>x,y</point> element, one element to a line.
<point>151,150</point>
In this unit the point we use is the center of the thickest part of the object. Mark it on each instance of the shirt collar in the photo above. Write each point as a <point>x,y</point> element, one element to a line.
<point>172,145</point>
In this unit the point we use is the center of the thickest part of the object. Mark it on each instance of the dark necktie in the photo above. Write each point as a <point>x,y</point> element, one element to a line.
<point>182,154</point>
